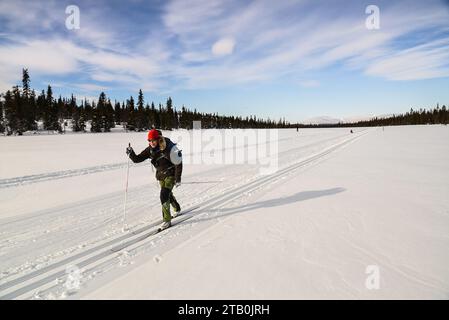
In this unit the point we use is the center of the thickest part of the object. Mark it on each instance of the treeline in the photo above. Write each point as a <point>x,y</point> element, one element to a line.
<point>21,109</point>
<point>435,115</point>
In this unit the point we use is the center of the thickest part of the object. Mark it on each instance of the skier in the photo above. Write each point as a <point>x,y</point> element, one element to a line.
<point>167,160</point>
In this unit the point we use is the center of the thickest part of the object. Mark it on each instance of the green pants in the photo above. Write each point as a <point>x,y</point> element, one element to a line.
<point>167,197</point>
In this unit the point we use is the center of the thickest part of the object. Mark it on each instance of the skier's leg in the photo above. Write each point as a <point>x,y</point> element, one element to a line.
<point>170,182</point>
<point>174,203</point>
<point>166,187</point>
<point>165,202</point>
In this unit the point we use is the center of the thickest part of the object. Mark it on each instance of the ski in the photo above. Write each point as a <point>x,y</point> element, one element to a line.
<point>175,219</point>
<point>154,224</point>
<point>178,221</point>
<point>162,228</point>
<point>155,231</point>
<point>185,211</point>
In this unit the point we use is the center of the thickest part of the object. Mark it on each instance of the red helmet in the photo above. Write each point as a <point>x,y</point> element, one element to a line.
<point>153,134</point>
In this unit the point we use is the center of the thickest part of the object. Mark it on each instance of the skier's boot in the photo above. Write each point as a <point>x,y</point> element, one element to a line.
<point>176,213</point>
<point>165,225</point>
<point>166,216</point>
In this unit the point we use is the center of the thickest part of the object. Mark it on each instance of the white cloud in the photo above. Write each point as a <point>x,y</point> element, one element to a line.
<point>95,50</point>
<point>271,46</point>
<point>90,87</point>
<point>52,57</point>
<point>22,15</point>
<point>187,17</point>
<point>421,62</point>
<point>223,47</point>
<point>121,63</point>
<point>62,57</point>
<point>105,76</point>
<point>274,39</point>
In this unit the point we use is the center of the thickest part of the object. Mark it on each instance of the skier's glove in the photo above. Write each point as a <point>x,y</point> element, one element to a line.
<point>177,183</point>
<point>129,150</point>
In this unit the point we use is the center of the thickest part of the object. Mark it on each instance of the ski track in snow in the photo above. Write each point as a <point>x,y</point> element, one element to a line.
<point>35,178</point>
<point>47,273</point>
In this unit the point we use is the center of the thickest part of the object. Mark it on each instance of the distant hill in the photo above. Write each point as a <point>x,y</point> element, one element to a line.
<point>331,120</point>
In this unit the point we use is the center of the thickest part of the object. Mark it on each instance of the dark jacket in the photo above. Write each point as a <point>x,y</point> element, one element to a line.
<point>160,158</point>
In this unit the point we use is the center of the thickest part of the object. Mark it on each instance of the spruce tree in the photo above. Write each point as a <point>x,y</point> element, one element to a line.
<point>175,119</point>
<point>161,117</point>
<point>96,122</point>
<point>117,113</point>
<point>27,104</point>
<point>40,106</point>
<point>100,122</point>
<point>87,110</point>
<point>19,123</point>
<point>131,123</point>
<point>444,115</point>
<point>72,107</point>
<point>76,120</point>
<point>154,117</point>
<point>110,114</point>
<point>169,118</point>
<point>124,115</point>
<point>48,109</point>
<point>32,111</point>
<point>10,110</point>
<point>51,121</point>
<point>140,116</point>
<point>147,117</point>
<point>82,120</point>
<point>26,83</point>
<point>59,112</point>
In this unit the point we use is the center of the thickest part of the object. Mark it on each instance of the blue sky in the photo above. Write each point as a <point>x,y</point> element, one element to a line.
<point>293,59</point>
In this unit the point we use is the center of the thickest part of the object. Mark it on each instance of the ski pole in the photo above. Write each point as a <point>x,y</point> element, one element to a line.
<point>126,195</point>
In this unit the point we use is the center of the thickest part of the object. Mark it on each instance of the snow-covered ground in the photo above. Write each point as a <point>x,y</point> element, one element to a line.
<point>341,212</point>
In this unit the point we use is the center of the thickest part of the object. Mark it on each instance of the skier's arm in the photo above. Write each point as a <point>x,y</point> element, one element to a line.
<point>136,158</point>
<point>178,173</point>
